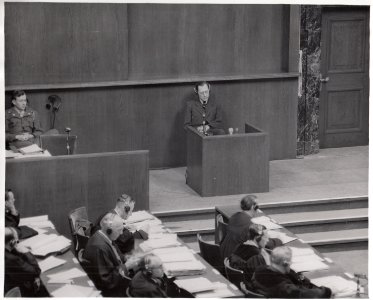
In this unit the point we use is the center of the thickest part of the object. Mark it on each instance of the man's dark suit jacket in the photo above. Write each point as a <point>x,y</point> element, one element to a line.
<point>21,269</point>
<point>194,113</point>
<point>143,286</point>
<point>103,266</point>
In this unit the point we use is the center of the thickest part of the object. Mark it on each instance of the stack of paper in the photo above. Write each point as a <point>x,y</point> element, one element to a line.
<point>139,216</point>
<point>158,243</point>
<point>162,235</point>
<point>31,149</point>
<point>184,268</point>
<point>340,286</point>
<point>175,257</point>
<point>44,244</point>
<point>267,222</point>
<point>305,260</point>
<point>75,291</point>
<point>160,251</point>
<point>11,154</point>
<point>45,153</point>
<point>37,222</point>
<point>50,263</point>
<point>147,224</point>
<point>66,275</point>
<point>220,290</point>
<point>281,235</point>
<point>195,285</point>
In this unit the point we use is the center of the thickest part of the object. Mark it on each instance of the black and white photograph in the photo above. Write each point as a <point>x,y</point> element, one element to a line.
<point>192,149</point>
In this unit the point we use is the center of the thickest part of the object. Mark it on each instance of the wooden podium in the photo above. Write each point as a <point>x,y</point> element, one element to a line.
<point>228,164</point>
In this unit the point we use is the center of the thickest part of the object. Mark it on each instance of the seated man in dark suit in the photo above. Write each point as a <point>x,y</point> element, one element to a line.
<point>123,208</point>
<point>106,265</point>
<point>251,254</point>
<point>203,113</point>
<point>21,268</point>
<point>279,281</point>
<point>12,217</point>
<point>149,281</point>
<point>237,224</point>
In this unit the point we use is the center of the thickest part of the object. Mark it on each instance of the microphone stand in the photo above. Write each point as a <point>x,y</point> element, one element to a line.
<point>204,119</point>
<point>67,130</point>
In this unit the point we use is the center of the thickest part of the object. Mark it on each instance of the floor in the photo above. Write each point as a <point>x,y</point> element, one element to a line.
<point>332,173</point>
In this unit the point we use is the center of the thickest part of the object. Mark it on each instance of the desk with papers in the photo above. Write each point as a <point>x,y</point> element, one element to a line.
<point>61,272</point>
<point>191,271</point>
<point>320,270</point>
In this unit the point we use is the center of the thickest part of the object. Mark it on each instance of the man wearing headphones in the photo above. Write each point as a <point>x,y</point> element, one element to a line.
<point>123,208</point>
<point>204,113</point>
<point>251,254</point>
<point>279,281</point>
<point>21,268</point>
<point>149,280</point>
<point>22,124</point>
<point>107,267</point>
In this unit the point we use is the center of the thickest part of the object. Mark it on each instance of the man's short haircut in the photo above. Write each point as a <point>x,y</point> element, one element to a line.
<point>248,201</point>
<point>7,194</point>
<point>148,261</point>
<point>252,231</point>
<point>17,93</point>
<point>10,234</point>
<point>125,198</point>
<point>281,255</point>
<point>108,220</point>
<point>201,83</point>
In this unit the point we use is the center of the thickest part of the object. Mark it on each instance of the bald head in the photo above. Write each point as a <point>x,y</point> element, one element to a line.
<point>281,258</point>
<point>112,225</point>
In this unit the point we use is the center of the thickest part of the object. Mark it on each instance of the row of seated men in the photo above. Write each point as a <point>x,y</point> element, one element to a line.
<point>264,261</point>
<point>115,268</point>
<point>108,257</point>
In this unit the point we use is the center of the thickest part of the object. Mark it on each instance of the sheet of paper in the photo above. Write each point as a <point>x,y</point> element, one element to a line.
<point>174,257</point>
<point>161,235</point>
<point>39,240</point>
<point>139,216</point>
<point>161,251</point>
<point>68,274</point>
<point>50,263</point>
<point>195,285</point>
<point>59,244</point>
<point>184,268</point>
<point>339,285</point>
<point>281,235</point>
<point>267,222</point>
<point>30,149</point>
<point>221,290</point>
<point>77,291</point>
<point>305,258</point>
<point>11,154</point>
<point>158,243</point>
<point>29,220</point>
<point>301,251</point>
<point>310,265</point>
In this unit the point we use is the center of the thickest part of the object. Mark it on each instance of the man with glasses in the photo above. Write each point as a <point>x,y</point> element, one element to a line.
<point>204,113</point>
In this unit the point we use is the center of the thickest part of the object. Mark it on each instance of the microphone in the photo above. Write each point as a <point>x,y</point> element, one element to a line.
<point>67,129</point>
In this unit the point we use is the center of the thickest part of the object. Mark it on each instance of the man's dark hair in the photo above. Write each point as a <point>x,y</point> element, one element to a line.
<point>17,93</point>
<point>248,201</point>
<point>7,194</point>
<point>201,83</point>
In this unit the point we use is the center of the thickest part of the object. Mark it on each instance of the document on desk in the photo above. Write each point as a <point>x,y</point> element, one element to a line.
<point>171,250</point>
<point>285,238</point>
<point>158,243</point>
<point>162,235</point>
<point>66,275</point>
<point>267,222</point>
<point>75,291</point>
<point>176,257</point>
<point>297,251</point>
<point>11,154</point>
<point>29,220</point>
<point>184,268</point>
<point>50,263</point>
<point>58,245</point>
<point>309,265</point>
<point>340,286</point>
<point>39,240</point>
<point>139,216</point>
<point>221,290</point>
<point>195,285</point>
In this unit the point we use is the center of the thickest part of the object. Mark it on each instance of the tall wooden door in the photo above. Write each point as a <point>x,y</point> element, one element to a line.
<point>344,98</point>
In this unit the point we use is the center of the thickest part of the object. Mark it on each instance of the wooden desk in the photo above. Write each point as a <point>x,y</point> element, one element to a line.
<point>56,185</point>
<point>228,164</point>
<point>334,269</point>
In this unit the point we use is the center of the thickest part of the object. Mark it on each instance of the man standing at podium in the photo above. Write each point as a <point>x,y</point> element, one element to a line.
<point>204,113</point>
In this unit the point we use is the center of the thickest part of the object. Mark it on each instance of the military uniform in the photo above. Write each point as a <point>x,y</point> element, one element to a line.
<point>211,113</point>
<point>15,124</point>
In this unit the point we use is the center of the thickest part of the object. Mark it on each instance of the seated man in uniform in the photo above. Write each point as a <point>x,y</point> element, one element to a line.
<point>279,281</point>
<point>123,208</point>
<point>106,265</point>
<point>204,113</point>
<point>22,124</point>
<point>149,281</point>
<point>21,268</point>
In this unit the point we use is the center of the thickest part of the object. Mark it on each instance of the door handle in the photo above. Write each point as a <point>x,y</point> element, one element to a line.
<point>326,79</point>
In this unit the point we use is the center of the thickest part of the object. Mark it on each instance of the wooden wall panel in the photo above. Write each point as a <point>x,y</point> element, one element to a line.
<point>152,117</point>
<point>64,183</point>
<point>65,42</point>
<point>181,40</point>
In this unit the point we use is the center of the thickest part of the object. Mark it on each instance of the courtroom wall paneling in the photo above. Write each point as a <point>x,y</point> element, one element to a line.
<point>175,40</point>
<point>151,117</point>
<point>65,42</point>
<point>56,185</point>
